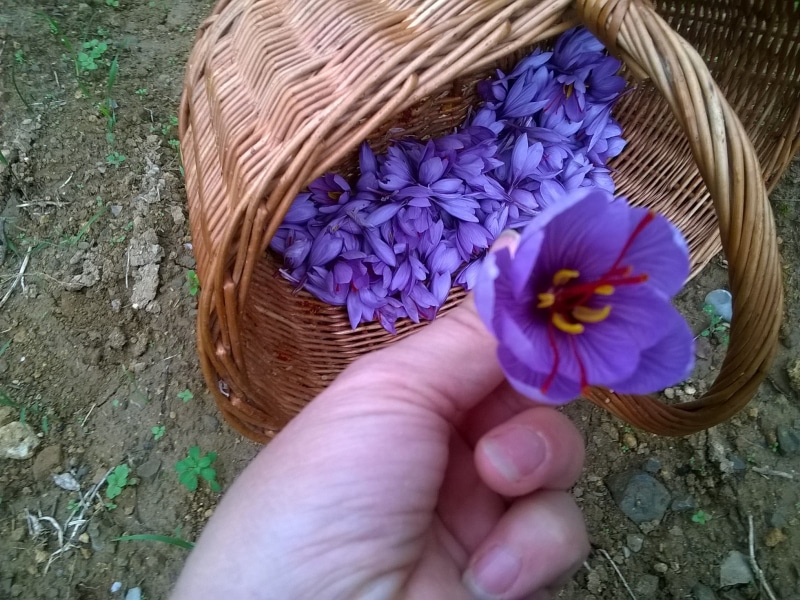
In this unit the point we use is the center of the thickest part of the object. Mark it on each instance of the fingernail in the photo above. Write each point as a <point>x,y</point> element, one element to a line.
<point>508,238</point>
<point>516,452</point>
<point>494,573</point>
<point>508,234</point>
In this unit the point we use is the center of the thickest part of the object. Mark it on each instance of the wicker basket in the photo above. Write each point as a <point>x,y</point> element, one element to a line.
<point>279,91</point>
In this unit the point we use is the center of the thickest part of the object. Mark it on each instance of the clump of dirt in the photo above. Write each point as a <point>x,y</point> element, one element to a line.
<point>97,354</point>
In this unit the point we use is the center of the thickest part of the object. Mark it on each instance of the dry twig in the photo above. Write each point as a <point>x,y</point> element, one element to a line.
<point>754,565</point>
<point>767,471</point>
<point>17,279</point>
<point>619,573</point>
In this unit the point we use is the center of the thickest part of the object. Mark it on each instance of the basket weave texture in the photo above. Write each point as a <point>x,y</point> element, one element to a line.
<point>278,92</point>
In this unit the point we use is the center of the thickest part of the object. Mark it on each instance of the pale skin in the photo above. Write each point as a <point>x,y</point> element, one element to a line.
<point>417,474</point>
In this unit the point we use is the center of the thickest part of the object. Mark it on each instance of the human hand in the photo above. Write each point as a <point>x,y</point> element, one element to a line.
<point>417,474</point>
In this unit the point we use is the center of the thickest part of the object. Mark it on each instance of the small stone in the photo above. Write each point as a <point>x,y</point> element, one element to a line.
<point>146,286</point>
<point>778,519</point>
<point>116,339</point>
<point>702,348</point>
<point>66,481</point>
<point>669,393</point>
<point>639,495</point>
<point>7,415</point>
<point>690,390</point>
<point>703,592</point>
<point>788,440</point>
<point>635,541</point>
<point>40,556</point>
<point>652,465</point>
<point>660,567</point>
<point>172,414</point>
<point>47,461</point>
<point>149,469</point>
<point>735,570</point>
<point>83,538</point>
<point>774,537</point>
<point>683,504</point>
<point>85,552</point>
<point>134,594</point>
<point>115,587</point>
<point>116,210</point>
<point>116,304</point>
<point>16,534</point>
<point>208,513</point>
<point>793,370</point>
<point>210,423</point>
<point>177,215</point>
<point>739,466</point>
<point>3,367</point>
<point>629,440</point>
<point>16,590</point>
<point>18,441</point>
<point>647,586</point>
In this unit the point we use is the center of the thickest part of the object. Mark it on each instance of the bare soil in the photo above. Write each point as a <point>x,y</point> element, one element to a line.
<point>97,345</point>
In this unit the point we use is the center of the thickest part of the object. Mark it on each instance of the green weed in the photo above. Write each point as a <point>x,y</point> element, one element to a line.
<point>117,481</point>
<point>116,159</point>
<point>19,57</point>
<point>197,466</point>
<point>716,327</point>
<point>701,517</point>
<point>158,432</point>
<point>141,92</point>
<point>88,58</point>
<point>194,282</point>
<point>186,395</point>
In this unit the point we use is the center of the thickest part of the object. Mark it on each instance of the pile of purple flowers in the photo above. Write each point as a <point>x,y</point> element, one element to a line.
<point>422,217</point>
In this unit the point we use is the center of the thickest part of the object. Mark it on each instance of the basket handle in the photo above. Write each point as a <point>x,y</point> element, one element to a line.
<point>728,164</point>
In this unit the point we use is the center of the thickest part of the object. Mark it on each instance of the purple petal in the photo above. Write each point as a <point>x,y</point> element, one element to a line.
<point>666,363</point>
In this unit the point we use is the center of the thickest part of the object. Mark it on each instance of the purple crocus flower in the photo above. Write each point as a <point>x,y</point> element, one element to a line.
<point>585,300</point>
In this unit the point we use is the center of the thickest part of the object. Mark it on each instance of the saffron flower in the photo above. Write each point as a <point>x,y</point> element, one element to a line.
<point>585,300</point>
<point>421,217</point>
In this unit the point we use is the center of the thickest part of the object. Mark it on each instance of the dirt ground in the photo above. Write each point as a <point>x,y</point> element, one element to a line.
<point>97,352</point>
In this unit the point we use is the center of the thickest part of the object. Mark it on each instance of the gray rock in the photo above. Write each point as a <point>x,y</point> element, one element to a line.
<point>652,465</point>
<point>735,570</point>
<point>635,541</point>
<point>788,440</point>
<point>116,339</point>
<point>134,594</point>
<point>67,481</point>
<point>702,348</point>
<point>778,519</point>
<point>47,461</point>
<point>7,414</point>
<point>647,586</point>
<point>793,370</point>
<point>683,504</point>
<point>210,424</point>
<point>145,250</point>
<point>149,469</point>
<point>17,441</point>
<point>739,466</point>
<point>639,495</point>
<point>146,286</point>
<point>703,592</point>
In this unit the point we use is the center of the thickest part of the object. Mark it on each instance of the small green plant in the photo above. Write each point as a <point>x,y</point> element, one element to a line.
<point>197,466</point>
<point>701,517</point>
<point>185,395</point>
<point>91,54</point>
<point>194,282</point>
<point>73,506</point>
<point>117,480</point>
<point>116,159</point>
<point>774,446</point>
<point>175,144</point>
<point>19,57</point>
<point>716,327</point>
<point>158,432</point>
<point>114,3</point>
<point>141,92</point>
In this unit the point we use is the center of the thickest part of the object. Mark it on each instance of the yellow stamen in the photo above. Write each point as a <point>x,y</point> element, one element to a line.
<point>563,276</point>
<point>561,323</point>
<point>590,315</point>
<point>334,195</point>
<point>568,90</point>
<point>546,300</point>
<point>604,290</point>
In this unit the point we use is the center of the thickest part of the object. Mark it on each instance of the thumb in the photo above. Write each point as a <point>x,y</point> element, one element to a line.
<point>451,364</point>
